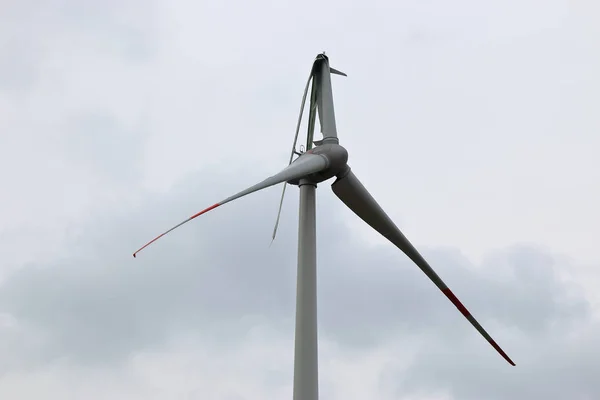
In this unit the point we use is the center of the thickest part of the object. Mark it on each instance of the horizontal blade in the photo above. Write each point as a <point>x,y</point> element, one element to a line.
<point>351,191</point>
<point>303,166</point>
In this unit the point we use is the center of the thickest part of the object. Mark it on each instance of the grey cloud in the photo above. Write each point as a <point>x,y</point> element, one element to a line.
<point>17,64</point>
<point>128,30</point>
<point>34,34</point>
<point>98,142</point>
<point>217,276</point>
<point>553,365</point>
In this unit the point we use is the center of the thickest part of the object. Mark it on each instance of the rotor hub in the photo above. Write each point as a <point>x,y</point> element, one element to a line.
<point>337,162</point>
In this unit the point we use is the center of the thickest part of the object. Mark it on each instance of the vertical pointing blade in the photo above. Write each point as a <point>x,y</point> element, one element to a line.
<point>325,98</point>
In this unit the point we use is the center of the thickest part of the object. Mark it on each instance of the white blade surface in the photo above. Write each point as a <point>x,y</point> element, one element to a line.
<point>325,98</point>
<point>351,191</point>
<point>305,165</point>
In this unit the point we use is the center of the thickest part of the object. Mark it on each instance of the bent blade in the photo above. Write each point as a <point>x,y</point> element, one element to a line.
<point>303,166</point>
<point>292,152</point>
<point>278,213</point>
<point>351,191</point>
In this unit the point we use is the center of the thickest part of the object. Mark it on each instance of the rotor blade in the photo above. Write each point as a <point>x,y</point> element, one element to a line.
<point>325,97</point>
<point>304,165</point>
<point>351,191</point>
<point>292,153</point>
<point>278,213</point>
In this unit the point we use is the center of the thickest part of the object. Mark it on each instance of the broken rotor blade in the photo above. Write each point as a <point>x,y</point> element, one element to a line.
<point>351,191</point>
<point>292,153</point>
<point>303,166</point>
<point>278,213</point>
<point>336,72</point>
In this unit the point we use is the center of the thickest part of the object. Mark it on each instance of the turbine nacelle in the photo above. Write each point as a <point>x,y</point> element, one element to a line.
<point>336,158</point>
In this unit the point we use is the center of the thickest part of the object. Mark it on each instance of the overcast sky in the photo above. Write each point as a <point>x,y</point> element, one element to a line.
<point>474,124</point>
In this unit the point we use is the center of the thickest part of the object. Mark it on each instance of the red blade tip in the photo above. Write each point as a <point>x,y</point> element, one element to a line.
<point>176,226</point>
<point>468,315</point>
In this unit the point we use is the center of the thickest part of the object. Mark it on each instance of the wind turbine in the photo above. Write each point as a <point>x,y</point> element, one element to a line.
<point>315,165</point>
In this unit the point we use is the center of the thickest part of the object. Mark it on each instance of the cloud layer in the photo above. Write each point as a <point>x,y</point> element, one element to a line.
<point>217,280</point>
<point>472,123</point>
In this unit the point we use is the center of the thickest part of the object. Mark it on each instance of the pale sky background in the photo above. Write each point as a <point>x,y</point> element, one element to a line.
<point>474,124</point>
